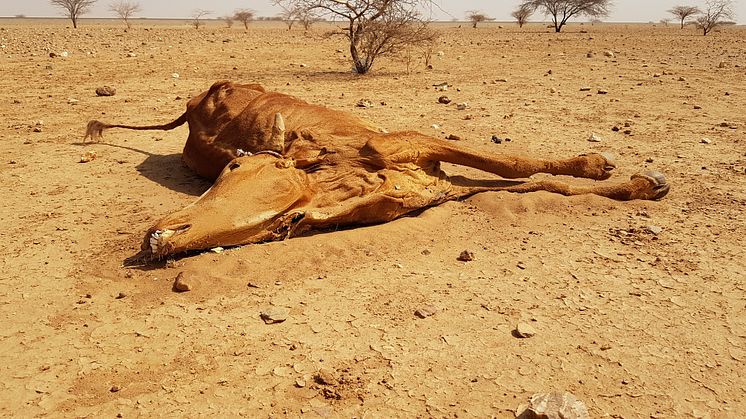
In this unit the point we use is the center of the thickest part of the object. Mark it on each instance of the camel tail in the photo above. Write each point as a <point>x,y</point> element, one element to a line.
<point>95,129</point>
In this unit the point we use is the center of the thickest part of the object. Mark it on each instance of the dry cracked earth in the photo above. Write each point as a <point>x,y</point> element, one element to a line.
<point>638,308</point>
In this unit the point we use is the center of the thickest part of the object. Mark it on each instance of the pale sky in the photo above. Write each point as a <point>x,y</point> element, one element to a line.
<point>622,11</point>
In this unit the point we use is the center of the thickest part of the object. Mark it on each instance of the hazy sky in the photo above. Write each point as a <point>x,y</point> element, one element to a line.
<point>623,10</point>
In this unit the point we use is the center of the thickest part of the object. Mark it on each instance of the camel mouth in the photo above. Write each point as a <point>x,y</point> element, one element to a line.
<point>159,238</point>
<point>660,187</point>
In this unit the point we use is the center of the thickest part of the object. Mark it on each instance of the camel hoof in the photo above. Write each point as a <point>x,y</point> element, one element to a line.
<point>658,185</point>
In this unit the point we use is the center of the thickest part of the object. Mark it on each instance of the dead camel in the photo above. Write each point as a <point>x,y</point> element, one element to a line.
<point>282,167</point>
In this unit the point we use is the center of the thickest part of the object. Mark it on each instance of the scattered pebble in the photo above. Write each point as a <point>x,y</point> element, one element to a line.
<point>182,284</point>
<point>585,88</point>
<point>441,86</point>
<point>72,101</point>
<point>462,106</point>
<point>175,75</point>
<point>654,229</point>
<point>444,100</point>
<point>595,138</point>
<point>705,140</point>
<point>602,91</point>
<point>325,377</point>
<point>131,54</point>
<point>120,295</point>
<point>115,388</point>
<point>106,91</point>
<point>453,137</point>
<point>697,107</point>
<point>426,311</point>
<point>609,54</point>
<point>553,405</point>
<point>364,103</point>
<point>273,315</point>
<point>466,256</point>
<point>524,330</point>
<point>496,139</point>
<point>87,157</point>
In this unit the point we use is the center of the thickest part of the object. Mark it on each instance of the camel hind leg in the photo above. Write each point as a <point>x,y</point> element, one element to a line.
<point>412,147</point>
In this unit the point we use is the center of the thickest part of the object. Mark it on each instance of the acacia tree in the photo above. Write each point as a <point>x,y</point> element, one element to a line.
<point>197,16</point>
<point>716,13</point>
<point>125,10</point>
<point>74,8</point>
<point>374,28</point>
<point>475,17</point>
<point>683,12</point>
<point>562,10</point>
<point>521,15</point>
<point>228,21</point>
<point>244,16</point>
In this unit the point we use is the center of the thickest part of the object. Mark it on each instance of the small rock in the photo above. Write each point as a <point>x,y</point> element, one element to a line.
<point>628,131</point>
<point>441,86</point>
<point>426,311</point>
<point>462,106</point>
<point>453,137</point>
<point>131,54</point>
<point>553,406</point>
<point>217,250</point>
<point>175,75</point>
<point>52,55</point>
<point>466,256</point>
<point>106,91</point>
<point>697,107</point>
<point>444,100</point>
<point>552,90</point>
<point>585,88</point>
<point>654,229</point>
<point>64,54</point>
<point>616,128</point>
<point>72,101</point>
<point>595,138</point>
<point>468,117</point>
<point>648,160</point>
<point>37,129</point>
<point>16,101</point>
<point>182,284</point>
<point>656,75</point>
<point>302,65</point>
<point>300,383</point>
<point>589,54</point>
<point>609,54</point>
<point>705,140</point>
<point>115,388</point>
<point>364,103</point>
<point>120,295</point>
<point>496,139</point>
<point>524,330</point>
<point>87,157</point>
<point>602,91</point>
<point>325,377</point>
<point>435,126</point>
<point>682,78</point>
<point>273,315</point>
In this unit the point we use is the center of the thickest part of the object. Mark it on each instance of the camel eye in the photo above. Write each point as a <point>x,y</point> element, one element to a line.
<point>233,166</point>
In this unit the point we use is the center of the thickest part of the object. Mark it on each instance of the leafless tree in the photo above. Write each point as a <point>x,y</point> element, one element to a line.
<point>683,12</point>
<point>307,18</point>
<point>228,21</point>
<point>197,16</point>
<point>289,16</point>
<point>244,16</point>
<point>562,10</point>
<point>716,13</point>
<point>374,28</point>
<point>125,10</point>
<point>74,8</point>
<point>521,15</point>
<point>475,17</point>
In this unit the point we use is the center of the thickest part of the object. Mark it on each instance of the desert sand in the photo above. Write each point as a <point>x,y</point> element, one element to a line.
<point>639,308</point>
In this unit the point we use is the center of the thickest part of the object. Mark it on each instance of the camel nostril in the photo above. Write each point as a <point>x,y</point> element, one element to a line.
<point>233,166</point>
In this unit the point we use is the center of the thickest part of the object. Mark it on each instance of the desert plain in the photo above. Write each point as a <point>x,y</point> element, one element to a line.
<point>638,308</point>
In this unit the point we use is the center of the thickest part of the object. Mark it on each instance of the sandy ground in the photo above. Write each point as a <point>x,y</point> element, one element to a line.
<point>639,307</point>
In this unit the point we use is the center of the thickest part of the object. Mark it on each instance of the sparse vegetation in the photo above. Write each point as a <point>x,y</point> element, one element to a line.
<point>244,16</point>
<point>197,16</point>
<point>374,28</point>
<point>683,12</point>
<point>125,10</point>
<point>716,14</point>
<point>521,15</point>
<point>74,8</point>
<point>476,17</point>
<point>562,10</point>
<point>228,20</point>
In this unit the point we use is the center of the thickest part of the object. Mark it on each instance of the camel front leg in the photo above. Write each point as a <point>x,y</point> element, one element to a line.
<point>416,148</point>
<point>648,185</point>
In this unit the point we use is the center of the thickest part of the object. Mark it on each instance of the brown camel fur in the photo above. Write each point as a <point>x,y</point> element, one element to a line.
<point>282,167</point>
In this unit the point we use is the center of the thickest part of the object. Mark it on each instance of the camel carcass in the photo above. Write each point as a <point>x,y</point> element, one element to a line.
<point>282,167</point>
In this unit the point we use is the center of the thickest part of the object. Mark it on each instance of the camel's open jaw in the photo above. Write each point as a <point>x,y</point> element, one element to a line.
<point>246,202</point>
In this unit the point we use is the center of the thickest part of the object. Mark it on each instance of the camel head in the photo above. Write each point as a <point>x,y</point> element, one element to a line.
<point>251,201</point>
